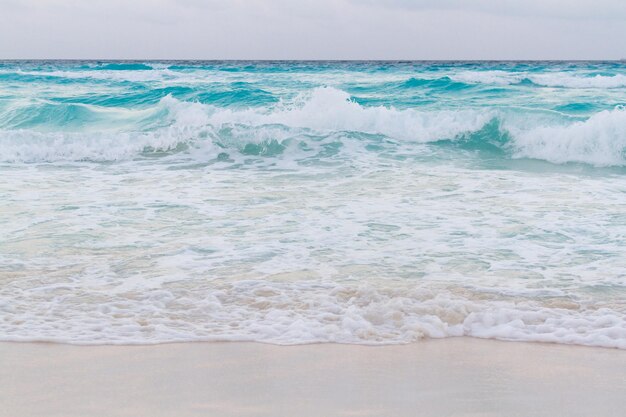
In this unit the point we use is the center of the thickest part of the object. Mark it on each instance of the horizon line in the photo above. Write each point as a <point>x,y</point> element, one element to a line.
<point>307,60</point>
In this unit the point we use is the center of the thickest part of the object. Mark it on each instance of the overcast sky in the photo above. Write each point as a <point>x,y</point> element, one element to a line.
<point>313,29</point>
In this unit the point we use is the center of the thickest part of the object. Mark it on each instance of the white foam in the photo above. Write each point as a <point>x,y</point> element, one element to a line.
<point>488,77</point>
<point>29,146</point>
<point>572,81</point>
<point>386,252</point>
<point>305,312</point>
<point>110,144</point>
<point>160,74</point>
<point>329,109</point>
<point>600,140</point>
<point>324,110</point>
<point>550,79</point>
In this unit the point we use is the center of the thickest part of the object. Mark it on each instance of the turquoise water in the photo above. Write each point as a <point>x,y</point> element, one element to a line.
<point>296,202</point>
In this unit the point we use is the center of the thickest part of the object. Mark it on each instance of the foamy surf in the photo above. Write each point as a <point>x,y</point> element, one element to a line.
<point>158,202</point>
<point>320,312</point>
<point>600,140</point>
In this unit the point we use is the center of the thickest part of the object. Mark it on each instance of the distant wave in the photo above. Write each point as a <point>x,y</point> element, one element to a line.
<point>144,72</point>
<point>104,73</point>
<point>125,66</point>
<point>446,83</point>
<point>556,79</point>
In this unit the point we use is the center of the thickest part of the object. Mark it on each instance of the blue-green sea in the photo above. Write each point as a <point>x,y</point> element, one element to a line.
<point>299,202</point>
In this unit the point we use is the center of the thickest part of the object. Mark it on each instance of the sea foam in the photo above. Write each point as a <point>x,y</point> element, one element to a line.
<point>287,203</point>
<point>553,79</point>
<point>303,313</point>
<point>599,140</point>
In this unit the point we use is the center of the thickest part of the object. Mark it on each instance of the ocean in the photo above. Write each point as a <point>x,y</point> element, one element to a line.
<point>305,202</point>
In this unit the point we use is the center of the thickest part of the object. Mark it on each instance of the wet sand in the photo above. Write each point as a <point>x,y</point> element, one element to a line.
<point>451,377</point>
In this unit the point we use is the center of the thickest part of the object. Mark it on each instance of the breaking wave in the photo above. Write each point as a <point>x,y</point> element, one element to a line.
<point>174,125</point>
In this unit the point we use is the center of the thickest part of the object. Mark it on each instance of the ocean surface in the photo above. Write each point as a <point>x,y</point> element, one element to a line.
<point>298,202</point>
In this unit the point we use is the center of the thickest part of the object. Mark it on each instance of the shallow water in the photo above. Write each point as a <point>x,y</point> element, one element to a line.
<point>312,202</point>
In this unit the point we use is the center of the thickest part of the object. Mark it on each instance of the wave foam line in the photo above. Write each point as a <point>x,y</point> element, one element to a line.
<point>288,314</point>
<point>557,79</point>
<point>599,140</point>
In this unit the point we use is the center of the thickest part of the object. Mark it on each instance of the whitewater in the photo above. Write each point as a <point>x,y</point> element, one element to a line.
<point>306,202</point>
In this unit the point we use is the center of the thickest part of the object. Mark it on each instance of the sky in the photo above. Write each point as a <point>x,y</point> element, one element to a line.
<point>313,29</point>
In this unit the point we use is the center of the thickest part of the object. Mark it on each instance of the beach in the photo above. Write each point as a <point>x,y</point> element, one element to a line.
<point>451,377</point>
<point>313,238</point>
<point>332,208</point>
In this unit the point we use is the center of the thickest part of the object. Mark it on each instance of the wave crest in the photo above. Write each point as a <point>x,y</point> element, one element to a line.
<point>175,125</point>
<point>600,140</point>
<point>556,79</point>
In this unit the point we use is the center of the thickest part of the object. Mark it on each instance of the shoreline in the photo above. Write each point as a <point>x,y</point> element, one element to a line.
<point>455,376</point>
<point>295,345</point>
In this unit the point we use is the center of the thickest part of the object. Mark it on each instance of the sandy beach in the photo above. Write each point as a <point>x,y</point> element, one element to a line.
<point>297,208</point>
<point>452,377</point>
